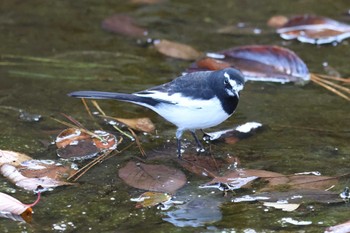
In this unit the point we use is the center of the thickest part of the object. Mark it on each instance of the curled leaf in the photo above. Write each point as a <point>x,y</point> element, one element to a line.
<point>12,208</point>
<point>140,124</point>
<point>259,63</point>
<point>12,157</point>
<point>158,178</point>
<point>28,183</point>
<point>176,50</point>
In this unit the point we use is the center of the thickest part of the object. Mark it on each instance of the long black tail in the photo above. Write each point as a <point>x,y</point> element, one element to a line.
<point>144,101</point>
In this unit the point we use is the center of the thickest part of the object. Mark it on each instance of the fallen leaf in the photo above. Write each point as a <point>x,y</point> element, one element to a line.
<point>314,29</point>
<point>75,144</point>
<point>206,166</point>
<point>282,206</point>
<point>176,50</point>
<point>158,178</point>
<point>259,63</point>
<point>69,137</point>
<point>140,124</point>
<point>340,228</point>
<point>82,149</point>
<point>15,176</point>
<point>13,158</point>
<point>12,208</point>
<point>124,25</point>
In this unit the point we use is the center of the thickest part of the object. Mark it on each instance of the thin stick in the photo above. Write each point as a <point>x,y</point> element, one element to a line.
<point>333,78</point>
<point>115,127</point>
<point>138,143</point>
<point>76,127</point>
<point>86,107</point>
<point>100,159</point>
<point>316,80</point>
<point>333,84</point>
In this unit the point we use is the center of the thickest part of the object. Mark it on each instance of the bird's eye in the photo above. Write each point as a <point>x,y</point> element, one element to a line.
<point>226,82</point>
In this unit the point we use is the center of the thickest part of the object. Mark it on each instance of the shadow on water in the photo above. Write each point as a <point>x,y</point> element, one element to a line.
<point>50,49</point>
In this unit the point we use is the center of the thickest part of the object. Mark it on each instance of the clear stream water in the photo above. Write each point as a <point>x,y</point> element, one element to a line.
<point>70,31</point>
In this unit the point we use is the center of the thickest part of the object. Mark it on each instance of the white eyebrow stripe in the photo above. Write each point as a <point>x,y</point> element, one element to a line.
<point>227,75</point>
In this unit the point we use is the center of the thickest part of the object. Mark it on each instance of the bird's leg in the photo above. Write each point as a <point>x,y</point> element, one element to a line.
<point>200,147</point>
<point>178,138</point>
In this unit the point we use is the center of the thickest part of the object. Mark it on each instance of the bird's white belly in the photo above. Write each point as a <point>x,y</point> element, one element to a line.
<point>191,116</point>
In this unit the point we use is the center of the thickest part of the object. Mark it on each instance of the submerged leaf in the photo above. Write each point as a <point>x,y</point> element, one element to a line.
<point>158,178</point>
<point>76,144</point>
<point>124,25</point>
<point>70,136</point>
<point>13,158</point>
<point>176,50</point>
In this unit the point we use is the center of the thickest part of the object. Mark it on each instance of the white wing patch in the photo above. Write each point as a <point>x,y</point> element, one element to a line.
<point>177,99</point>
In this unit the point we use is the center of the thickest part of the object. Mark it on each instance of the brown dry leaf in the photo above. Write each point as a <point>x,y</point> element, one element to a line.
<point>12,157</point>
<point>201,165</point>
<point>158,178</point>
<point>124,25</point>
<point>176,50</point>
<point>139,124</point>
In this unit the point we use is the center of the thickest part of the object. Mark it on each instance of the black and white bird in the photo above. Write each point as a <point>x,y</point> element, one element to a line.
<point>197,100</point>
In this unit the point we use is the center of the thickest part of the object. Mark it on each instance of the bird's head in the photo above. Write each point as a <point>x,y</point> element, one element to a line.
<point>233,81</point>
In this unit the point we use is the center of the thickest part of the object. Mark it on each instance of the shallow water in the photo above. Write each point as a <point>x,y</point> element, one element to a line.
<point>305,127</point>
